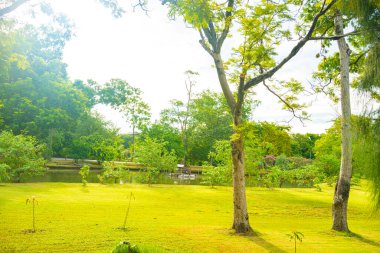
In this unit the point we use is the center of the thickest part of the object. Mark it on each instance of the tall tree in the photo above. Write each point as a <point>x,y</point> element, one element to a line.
<point>342,187</point>
<point>126,99</point>
<point>180,114</point>
<point>261,27</point>
<point>337,68</point>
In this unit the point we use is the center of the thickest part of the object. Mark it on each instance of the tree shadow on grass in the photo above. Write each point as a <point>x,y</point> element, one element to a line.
<point>365,240</point>
<point>257,239</point>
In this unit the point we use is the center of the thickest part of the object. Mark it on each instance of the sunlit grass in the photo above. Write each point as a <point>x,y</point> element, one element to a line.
<point>72,218</point>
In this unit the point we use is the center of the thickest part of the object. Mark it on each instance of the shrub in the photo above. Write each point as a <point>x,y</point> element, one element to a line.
<point>305,176</point>
<point>84,171</point>
<point>113,173</point>
<point>148,176</point>
<point>3,172</point>
<point>269,161</point>
<point>126,247</point>
<point>216,175</point>
<point>275,178</point>
<point>298,161</point>
<point>20,157</point>
<point>329,165</point>
<point>156,158</point>
<point>283,163</point>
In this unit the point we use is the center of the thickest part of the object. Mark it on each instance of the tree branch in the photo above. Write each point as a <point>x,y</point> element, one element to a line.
<point>291,109</point>
<point>258,79</point>
<point>227,25</point>
<point>336,37</point>
<point>12,7</point>
<point>202,41</point>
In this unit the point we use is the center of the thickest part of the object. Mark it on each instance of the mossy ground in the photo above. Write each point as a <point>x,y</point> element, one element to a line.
<point>73,218</point>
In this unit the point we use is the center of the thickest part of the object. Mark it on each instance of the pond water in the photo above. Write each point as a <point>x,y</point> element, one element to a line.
<point>72,176</point>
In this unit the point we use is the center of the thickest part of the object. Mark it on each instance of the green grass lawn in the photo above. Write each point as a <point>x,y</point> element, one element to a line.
<point>72,218</point>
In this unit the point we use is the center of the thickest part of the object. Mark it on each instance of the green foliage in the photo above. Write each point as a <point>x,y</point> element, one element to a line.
<point>367,153</point>
<point>37,98</point>
<point>156,158</point>
<point>275,177</point>
<point>221,156</point>
<point>126,247</point>
<point>329,143</point>
<point>296,236</point>
<point>271,138</point>
<point>4,168</point>
<point>164,133</point>
<point>329,164</point>
<point>83,172</point>
<point>283,163</point>
<point>220,175</point>
<point>20,156</point>
<point>210,122</point>
<point>303,144</point>
<point>305,176</point>
<point>112,172</point>
<point>297,161</point>
<point>95,139</point>
<point>127,99</point>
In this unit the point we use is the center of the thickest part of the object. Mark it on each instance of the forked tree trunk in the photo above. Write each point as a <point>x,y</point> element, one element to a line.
<point>241,219</point>
<point>342,188</point>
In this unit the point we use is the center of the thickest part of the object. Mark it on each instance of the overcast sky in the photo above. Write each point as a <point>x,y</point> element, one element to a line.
<point>152,53</point>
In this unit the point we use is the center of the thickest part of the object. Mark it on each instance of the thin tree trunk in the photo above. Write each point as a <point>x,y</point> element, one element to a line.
<point>241,219</point>
<point>133,143</point>
<point>342,188</point>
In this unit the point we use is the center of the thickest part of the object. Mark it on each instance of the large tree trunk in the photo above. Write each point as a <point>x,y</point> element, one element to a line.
<point>342,188</point>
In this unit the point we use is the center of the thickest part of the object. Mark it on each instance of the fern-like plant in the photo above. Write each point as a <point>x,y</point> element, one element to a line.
<point>296,236</point>
<point>33,201</point>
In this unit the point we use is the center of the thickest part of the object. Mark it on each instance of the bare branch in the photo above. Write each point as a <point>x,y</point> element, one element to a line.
<point>12,7</point>
<point>141,4</point>
<point>258,79</point>
<point>289,106</point>
<point>336,37</point>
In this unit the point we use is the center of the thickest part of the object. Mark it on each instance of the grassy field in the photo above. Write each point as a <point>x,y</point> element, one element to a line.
<point>72,218</point>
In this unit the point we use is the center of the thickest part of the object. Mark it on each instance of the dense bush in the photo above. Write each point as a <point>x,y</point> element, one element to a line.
<point>298,161</point>
<point>112,173</point>
<point>83,172</point>
<point>283,163</point>
<point>329,164</point>
<point>216,175</point>
<point>20,157</point>
<point>154,156</point>
<point>305,176</point>
<point>126,247</point>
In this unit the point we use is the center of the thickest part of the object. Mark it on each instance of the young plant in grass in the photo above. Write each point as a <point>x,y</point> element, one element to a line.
<point>84,171</point>
<point>33,201</point>
<point>126,247</point>
<point>127,211</point>
<point>296,236</point>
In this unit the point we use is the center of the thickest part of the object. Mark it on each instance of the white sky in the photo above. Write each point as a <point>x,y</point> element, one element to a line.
<point>152,53</point>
